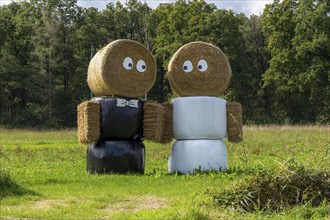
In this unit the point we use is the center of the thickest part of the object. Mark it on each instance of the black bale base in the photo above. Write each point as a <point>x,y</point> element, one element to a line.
<point>116,156</point>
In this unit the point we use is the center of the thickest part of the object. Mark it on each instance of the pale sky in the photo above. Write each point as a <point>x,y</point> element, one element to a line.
<point>248,7</point>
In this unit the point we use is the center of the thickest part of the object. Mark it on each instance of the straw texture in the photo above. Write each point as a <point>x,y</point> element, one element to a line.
<point>167,135</point>
<point>234,122</point>
<point>88,122</point>
<point>153,123</point>
<point>107,75</point>
<point>211,82</point>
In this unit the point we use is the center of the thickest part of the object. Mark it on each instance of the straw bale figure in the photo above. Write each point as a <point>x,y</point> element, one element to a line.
<point>199,72</point>
<point>114,123</point>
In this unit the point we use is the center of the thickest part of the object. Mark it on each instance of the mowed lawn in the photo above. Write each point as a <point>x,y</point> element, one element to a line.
<point>49,179</point>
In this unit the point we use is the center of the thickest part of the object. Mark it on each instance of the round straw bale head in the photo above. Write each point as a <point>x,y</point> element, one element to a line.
<point>122,68</point>
<point>199,69</point>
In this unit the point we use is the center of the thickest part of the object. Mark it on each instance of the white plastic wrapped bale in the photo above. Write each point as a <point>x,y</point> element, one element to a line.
<point>189,155</point>
<point>199,117</point>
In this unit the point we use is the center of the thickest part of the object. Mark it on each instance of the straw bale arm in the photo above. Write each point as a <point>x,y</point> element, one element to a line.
<point>88,122</point>
<point>155,122</point>
<point>234,122</point>
<point>167,135</point>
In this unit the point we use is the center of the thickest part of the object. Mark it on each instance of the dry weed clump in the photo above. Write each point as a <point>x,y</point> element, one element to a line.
<point>274,191</point>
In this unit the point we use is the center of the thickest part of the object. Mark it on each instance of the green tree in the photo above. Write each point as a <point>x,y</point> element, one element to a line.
<point>178,23</point>
<point>45,42</point>
<point>55,58</point>
<point>312,52</point>
<point>223,28</point>
<point>298,39</point>
<point>68,15</point>
<point>257,56</point>
<point>92,34</point>
<point>280,61</point>
<point>18,88</point>
<point>128,21</point>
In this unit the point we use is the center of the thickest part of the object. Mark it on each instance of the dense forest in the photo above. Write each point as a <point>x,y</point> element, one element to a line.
<point>280,59</point>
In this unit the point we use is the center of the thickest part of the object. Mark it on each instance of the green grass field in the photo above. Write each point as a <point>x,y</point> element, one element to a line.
<point>44,177</point>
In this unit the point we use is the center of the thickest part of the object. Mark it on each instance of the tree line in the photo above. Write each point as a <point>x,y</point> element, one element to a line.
<point>280,59</point>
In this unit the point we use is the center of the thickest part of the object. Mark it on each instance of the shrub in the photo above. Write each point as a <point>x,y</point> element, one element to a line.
<point>275,190</point>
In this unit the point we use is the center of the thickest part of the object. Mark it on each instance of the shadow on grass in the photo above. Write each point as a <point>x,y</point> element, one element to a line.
<point>9,188</point>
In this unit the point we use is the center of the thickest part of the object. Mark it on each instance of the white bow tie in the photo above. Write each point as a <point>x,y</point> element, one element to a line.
<point>131,103</point>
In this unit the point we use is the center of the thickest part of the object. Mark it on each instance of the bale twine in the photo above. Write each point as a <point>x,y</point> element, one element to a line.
<point>234,122</point>
<point>153,123</point>
<point>211,82</point>
<point>88,122</point>
<point>168,123</point>
<point>107,75</point>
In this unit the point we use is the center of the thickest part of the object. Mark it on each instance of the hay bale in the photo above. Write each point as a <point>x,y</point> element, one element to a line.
<point>210,82</point>
<point>189,156</point>
<point>88,122</point>
<point>123,122</point>
<point>167,135</point>
<point>234,122</point>
<point>199,117</point>
<point>116,156</point>
<point>107,75</point>
<point>153,122</point>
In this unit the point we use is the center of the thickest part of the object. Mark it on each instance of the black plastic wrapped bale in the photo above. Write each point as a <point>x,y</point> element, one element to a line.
<point>121,118</point>
<point>116,156</point>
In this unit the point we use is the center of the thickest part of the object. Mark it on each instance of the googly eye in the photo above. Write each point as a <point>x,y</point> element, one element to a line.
<point>141,66</point>
<point>128,63</point>
<point>202,65</point>
<point>187,66</point>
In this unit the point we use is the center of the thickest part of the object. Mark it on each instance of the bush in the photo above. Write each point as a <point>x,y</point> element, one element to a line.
<point>273,191</point>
